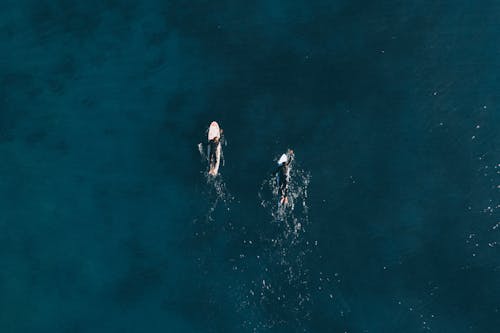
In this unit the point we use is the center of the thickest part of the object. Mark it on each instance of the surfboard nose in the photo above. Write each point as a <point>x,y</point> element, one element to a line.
<point>213,130</point>
<point>283,159</point>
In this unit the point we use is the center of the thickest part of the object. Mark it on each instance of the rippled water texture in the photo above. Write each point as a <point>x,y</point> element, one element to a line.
<point>109,222</point>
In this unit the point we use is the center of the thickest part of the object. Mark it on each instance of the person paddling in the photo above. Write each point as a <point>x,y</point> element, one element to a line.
<point>283,175</point>
<point>214,147</point>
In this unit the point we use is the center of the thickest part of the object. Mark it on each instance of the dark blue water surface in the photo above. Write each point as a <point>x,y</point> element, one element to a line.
<point>109,224</point>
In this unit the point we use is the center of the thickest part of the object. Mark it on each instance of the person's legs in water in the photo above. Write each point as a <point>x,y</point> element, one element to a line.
<point>282,192</point>
<point>285,198</point>
<point>283,189</point>
<point>211,157</point>
<point>213,152</point>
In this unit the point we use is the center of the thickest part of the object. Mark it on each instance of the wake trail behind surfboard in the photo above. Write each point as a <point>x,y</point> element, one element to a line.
<point>216,190</point>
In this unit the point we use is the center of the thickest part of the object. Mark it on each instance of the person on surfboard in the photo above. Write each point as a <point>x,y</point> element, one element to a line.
<point>283,175</point>
<point>215,139</point>
<point>212,150</point>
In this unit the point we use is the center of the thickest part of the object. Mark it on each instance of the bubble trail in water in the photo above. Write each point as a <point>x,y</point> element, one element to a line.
<point>285,285</point>
<point>216,189</point>
<point>483,237</point>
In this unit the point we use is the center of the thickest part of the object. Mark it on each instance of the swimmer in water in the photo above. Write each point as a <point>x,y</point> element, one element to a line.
<point>283,175</point>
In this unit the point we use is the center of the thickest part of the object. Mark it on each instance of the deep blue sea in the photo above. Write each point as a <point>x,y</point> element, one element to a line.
<point>109,223</point>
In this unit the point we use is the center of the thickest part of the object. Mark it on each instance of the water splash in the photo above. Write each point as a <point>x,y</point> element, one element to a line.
<point>216,190</point>
<point>484,236</point>
<point>274,269</point>
<point>297,197</point>
<point>279,295</point>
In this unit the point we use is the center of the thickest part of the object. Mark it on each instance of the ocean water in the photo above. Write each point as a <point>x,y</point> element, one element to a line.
<point>108,222</point>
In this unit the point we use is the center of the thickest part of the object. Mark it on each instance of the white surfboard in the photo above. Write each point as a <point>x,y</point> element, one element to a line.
<point>214,132</point>
<point>283,159</point>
